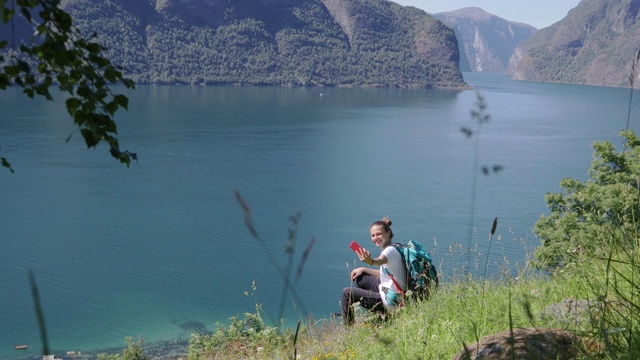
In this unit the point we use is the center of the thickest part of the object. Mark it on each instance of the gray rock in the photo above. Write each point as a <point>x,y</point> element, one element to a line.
<point>524,344</point>
<point>570,312</point>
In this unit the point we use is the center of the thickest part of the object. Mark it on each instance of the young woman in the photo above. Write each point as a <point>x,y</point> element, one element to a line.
<point>374,288</point>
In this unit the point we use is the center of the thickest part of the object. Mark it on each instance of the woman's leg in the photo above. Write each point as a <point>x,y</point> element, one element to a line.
<point>368,282</point>
<point>366,293</point>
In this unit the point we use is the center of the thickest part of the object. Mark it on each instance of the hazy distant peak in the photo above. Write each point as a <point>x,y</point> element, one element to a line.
<point>478,14</point>
<point>469,12</point>
<point>486,41</point>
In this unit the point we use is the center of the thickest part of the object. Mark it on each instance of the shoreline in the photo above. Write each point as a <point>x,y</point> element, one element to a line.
<point>161,350</point>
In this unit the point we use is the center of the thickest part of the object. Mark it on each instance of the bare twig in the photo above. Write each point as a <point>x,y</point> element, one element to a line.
<point>284,275</point>
<point>39,314</point>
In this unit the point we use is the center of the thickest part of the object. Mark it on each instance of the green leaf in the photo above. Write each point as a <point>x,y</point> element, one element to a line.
<point>42,68</point>
<point>84,91</point>
<point>11,71</point>
<point>93,48</point>
<point>26,13</point>
<point>7,14</point>
<point>65,85</point>
<point>4,81</point>
<point>90,137</point>
<point>111,74</point>
<point>122,100</point>
<point>6,164</point>
<point>111,107</point>
<point>102,62</point>
<point>44,91</point>
<point>130,84</point>
<point>80,117</point>
<point>23,66</point>
<point>111,127</point>
<point>72,105</point>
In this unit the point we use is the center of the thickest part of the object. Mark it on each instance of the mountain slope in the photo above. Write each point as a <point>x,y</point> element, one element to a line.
<point>274,42</point>
<point>594,44</point>
<point>486,41</point>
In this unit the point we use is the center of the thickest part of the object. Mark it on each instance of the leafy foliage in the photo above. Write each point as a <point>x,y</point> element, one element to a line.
<point>247,336</point>
<point>58,55</point>
<point>134,351</point>
<point>607,203</point>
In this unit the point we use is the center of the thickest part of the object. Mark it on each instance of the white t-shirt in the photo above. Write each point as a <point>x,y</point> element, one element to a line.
<point>395,266</point>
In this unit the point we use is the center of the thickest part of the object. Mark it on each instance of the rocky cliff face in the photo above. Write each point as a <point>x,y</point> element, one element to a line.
<point>485,41</point>
<point>595,44</point>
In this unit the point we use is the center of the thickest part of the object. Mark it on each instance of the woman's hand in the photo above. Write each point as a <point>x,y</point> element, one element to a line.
<point>364,256</point>
<point>356,272</point>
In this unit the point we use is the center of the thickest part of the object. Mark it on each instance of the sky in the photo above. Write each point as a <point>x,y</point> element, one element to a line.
<point>538,13</point>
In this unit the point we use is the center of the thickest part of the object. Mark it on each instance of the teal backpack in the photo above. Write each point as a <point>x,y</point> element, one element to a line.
<point>421,273</point>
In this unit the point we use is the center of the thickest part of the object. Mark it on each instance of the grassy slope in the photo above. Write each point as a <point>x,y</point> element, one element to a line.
<point>460,312</point>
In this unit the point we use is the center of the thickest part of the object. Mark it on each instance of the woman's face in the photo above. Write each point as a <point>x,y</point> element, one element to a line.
<point>379,237</point>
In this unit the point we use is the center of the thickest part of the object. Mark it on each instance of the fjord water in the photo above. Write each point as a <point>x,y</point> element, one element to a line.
<point>161,249</point>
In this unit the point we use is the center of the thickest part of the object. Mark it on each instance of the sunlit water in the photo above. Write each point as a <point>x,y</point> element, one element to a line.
<point>161,249</point>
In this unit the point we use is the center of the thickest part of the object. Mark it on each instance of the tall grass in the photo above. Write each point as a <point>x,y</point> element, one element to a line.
<point>289,278</point>
<point>244,336</point>
<point>614,293</point>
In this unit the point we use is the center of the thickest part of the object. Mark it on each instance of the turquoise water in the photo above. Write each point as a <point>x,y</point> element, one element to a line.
<point>161,249</point>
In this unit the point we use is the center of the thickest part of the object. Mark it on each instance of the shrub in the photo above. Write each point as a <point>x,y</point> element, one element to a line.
<point>248,336</point>
<point>607,203</point>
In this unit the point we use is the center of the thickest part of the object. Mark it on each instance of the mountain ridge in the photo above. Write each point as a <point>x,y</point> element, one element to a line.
<point>274,42</point>
<point>593,45</point>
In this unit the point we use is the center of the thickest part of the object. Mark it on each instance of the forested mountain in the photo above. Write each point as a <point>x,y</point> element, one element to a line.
<point>485,41</point>
<point>273,42</point>
<point>594,44</point>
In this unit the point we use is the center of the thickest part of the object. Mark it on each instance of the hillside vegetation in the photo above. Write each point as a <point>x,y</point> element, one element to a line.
<point>273,42</point>
<point>592,45</point>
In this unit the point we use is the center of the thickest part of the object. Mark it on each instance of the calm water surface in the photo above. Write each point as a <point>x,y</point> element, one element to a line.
<point>161,249</point>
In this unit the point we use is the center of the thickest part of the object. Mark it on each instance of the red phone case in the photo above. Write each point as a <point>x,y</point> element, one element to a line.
<point>355,246</point>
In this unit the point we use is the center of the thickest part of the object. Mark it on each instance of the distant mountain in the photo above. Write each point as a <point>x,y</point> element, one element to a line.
<point>594,44</point>
<point>274,42</point>
<point>485,41</point>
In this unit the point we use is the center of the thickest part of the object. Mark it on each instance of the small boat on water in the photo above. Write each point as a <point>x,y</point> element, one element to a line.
<point>20,347</point>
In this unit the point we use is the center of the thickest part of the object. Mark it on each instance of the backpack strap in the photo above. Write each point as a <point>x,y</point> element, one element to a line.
<point>388,273</point>
<point>407,279</point>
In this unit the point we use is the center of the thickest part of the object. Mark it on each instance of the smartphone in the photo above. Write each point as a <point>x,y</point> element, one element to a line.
<point>355,246</point>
